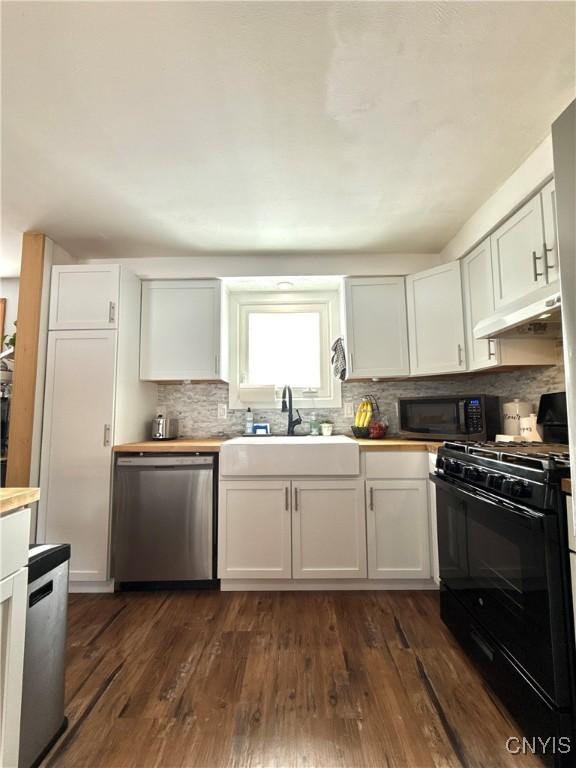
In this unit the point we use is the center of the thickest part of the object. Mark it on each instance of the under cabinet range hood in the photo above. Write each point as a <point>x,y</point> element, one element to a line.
<point>542,314</point>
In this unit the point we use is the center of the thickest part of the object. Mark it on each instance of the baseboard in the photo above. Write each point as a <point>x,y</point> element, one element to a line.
<point>91,587</point>
<point>310,585</point>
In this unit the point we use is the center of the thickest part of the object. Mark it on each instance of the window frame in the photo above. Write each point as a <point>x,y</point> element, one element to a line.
<point>327,303</point>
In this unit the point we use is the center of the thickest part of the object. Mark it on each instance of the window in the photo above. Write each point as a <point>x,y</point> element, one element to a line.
<point>283,339</point>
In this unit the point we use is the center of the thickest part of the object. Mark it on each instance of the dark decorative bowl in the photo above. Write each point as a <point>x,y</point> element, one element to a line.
<point>361,432</point>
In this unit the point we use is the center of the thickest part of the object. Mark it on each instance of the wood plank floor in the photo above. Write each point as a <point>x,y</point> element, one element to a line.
<point>318,680</point>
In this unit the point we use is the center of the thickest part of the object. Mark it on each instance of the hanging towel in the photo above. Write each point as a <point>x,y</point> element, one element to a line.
<point>339,359</point>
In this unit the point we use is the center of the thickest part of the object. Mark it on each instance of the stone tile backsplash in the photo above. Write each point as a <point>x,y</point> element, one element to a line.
<point>196,405</point>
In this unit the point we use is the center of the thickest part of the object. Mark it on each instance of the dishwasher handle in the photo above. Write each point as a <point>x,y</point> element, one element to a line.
<point>203,462</point>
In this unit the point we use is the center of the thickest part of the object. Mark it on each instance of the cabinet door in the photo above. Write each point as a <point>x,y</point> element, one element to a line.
<point>76,454</point>
<point>398,529</point>
<point>180,335</point>
<point>517,254</point>
<point>435,320</point>
<point>254,530</point>
<point>84,297</point>
<point>478,292</point>
<point>376,327</point>
<point>328,530</point>
<point>13,595</point>
<point>548,196</point>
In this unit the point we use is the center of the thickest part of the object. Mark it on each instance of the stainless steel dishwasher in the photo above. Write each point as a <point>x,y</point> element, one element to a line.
<point>163,528</point>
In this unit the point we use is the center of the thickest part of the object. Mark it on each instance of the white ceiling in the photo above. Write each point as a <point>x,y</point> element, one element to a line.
<point>172,128</point>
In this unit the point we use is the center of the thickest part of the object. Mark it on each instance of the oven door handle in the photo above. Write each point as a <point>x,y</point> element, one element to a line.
<point>530,515</point>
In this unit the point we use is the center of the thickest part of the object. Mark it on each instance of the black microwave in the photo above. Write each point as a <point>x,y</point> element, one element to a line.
<point>457,417</point>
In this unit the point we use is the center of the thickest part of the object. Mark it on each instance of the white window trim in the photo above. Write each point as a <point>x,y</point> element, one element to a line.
<point>241,303</point>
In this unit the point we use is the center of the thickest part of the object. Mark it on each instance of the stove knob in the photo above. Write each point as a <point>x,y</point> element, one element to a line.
<point>520,490</point>
<point>471,473</point>
<point>494,481</point>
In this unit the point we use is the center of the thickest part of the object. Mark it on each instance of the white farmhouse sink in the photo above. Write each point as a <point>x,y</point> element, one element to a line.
<point>289,456</point>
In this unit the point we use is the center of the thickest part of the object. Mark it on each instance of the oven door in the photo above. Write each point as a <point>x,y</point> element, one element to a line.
<point>498,559</point>
<point>444,418</point>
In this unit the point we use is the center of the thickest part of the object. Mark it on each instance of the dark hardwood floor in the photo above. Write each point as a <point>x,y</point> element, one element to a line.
<point>318,680</point>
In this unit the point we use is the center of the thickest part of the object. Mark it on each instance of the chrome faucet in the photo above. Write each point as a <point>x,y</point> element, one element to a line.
<point>287,408</point>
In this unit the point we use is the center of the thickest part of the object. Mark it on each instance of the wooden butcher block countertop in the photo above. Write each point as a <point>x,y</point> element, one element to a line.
<point>212,445</point>
<point>13,498</point>
<point>567,485</point>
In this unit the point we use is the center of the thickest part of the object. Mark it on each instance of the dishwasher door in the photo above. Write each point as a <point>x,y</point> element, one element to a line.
<point>163,519</point>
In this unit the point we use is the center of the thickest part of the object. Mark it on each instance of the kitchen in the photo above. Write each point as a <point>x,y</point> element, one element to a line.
<point>307,467</point>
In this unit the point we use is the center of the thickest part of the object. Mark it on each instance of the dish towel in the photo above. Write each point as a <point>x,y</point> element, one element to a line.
<point>339,359</point>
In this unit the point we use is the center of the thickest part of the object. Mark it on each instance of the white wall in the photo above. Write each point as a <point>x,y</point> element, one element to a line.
<point>534,171</point>
<point>9,291</point>
<point>242,265</point>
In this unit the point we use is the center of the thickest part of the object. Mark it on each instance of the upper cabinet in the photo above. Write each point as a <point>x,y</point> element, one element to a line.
<point>478,290</point>
<point>84,297</point>
<point>376,327</point>
<point>181,332</point>
<point>435,320</point>
<point>524,256</point>
<point>548,197</point>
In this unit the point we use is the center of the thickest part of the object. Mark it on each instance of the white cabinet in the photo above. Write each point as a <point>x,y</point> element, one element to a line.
<point>93,398</point>
<point>398,529</point>
<point>548,197</point>
<point>435,321</point>
<point>376,327</point>
<point>14,537</point>
<point>181,330</point>
<point>84,297</point>
<point>478,290</point>
<point>328,530</point>
<point>518,261</point>
<point>254,530</point>
<point>76,452</point>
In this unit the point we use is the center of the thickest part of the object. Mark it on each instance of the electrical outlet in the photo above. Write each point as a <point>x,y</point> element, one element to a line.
<point>348,410</point>
<point>222,411</point>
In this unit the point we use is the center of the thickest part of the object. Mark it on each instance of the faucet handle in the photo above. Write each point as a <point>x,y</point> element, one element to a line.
<point>299,419</point>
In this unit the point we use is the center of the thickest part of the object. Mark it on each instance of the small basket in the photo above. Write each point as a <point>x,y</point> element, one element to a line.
<point>361,432</point>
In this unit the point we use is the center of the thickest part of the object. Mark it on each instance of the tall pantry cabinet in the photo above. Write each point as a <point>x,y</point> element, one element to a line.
<point>93,399</point>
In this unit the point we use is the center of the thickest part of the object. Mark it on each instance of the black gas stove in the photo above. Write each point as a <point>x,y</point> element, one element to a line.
<point>505,575</point>
<point>526,472</point>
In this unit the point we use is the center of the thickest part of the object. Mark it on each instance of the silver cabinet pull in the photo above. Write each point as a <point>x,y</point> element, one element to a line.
<point>217,365</point>
<point>351,362</point>
<point>296,499</point>
<point>107,433</point>
<point>371,498</point>
<point>535,260</point>
<point>286,499</point>
<point>547,265</point>
<point>491,349</point>
<point>459,354</point>
<point>111,311</point>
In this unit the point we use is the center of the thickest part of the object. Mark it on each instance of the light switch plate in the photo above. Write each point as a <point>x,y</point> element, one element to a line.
<point>348,410</point>
<point>222,411</point>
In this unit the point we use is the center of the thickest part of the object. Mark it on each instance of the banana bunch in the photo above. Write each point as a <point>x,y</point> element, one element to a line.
<point>363,414</point>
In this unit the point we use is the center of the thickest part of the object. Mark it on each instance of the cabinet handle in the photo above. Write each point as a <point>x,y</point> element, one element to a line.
<point>286,499</point>
<point>535,260</point>
<point>547,264</point>
<point>217,365</point>
<point>459,354</point>
<point>351,362</point>
<point>491,349</point>
<point>371,498</point>
<point>111,312</point>
<point>107,433</point>
<point>296,499</point>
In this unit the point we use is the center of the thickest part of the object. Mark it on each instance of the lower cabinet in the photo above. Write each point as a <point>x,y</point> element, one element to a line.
<point>398,529</point>
<point>328,530</point>
<point>254,530</point>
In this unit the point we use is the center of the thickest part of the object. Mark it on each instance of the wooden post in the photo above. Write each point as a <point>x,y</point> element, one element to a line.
<point>25,361</point>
